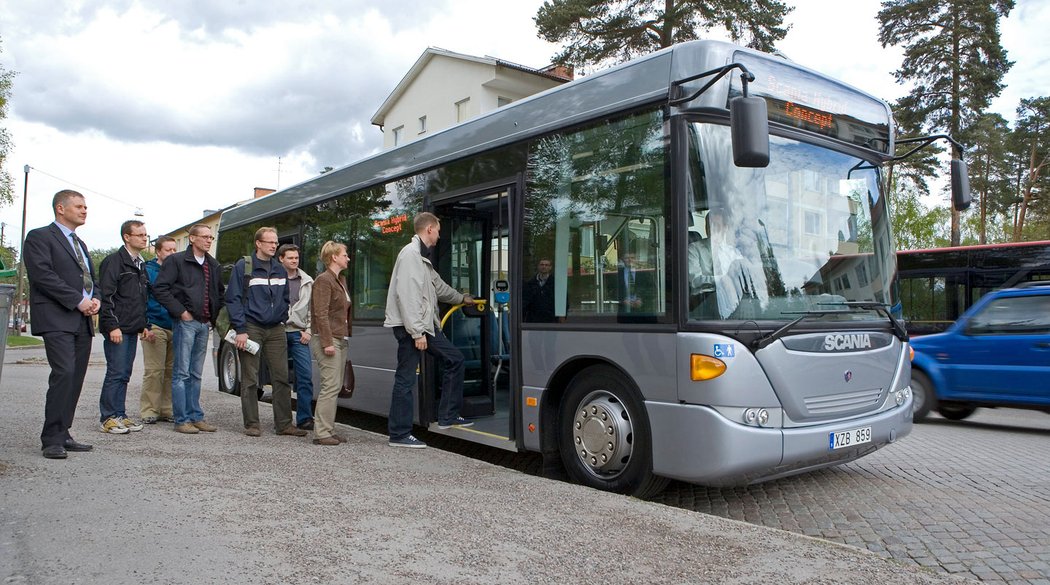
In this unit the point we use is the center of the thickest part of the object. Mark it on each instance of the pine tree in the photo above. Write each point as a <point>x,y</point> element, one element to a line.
<point>953,57</point>
<point>605,32</point>
<point>1032,140</point>
<point>990,172</point>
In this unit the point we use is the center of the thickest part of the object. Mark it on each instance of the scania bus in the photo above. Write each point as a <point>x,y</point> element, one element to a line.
<point>691,206</point>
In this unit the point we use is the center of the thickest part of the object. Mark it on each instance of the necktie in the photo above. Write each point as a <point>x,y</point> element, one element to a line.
<point>78,246</point>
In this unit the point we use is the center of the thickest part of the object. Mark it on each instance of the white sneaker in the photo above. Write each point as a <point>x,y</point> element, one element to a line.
<point>130,424</point>
<point>113,426</point>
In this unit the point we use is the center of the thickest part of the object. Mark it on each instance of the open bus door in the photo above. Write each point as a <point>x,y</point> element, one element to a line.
<point>473,255</point>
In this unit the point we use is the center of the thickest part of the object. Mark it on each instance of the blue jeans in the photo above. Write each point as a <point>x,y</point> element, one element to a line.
<point>190,342</point>
<point>120,358</point>
<point>400,421</point>
<point>304,377</point>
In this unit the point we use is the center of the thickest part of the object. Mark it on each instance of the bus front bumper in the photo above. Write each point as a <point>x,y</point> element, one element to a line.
<point>698,445</point>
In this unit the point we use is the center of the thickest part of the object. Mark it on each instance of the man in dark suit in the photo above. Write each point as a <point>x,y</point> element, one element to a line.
<point>62,299</point>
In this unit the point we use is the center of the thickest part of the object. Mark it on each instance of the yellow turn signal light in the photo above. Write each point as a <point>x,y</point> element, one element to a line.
<point>704,367</point>
<point>911,353</point>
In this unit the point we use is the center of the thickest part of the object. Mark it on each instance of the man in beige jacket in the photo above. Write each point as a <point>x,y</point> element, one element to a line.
<point>412,313</point>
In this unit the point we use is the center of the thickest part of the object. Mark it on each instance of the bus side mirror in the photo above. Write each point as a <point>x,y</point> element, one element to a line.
<point>960,185</point>
<point>750,128</point>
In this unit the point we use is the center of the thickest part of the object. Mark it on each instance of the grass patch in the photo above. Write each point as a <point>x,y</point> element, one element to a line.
<point>22,341</point>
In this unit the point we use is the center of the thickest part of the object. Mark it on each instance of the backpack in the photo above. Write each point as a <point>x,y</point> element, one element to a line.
<point>222,320</point>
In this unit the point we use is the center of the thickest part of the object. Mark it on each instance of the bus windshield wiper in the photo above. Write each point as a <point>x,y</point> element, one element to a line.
<point>768,338</point>
<point>883,309</point>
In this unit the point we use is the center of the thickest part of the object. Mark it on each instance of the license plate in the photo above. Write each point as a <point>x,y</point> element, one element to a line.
<point>844,439</point>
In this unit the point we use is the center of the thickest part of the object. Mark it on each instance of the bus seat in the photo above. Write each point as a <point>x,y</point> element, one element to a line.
<point>499,340</point>
<point>465,334</point>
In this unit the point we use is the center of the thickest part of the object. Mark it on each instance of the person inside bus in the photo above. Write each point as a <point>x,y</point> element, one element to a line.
<point>698,254</point>
<point>636,286</point>
<point>537,295</point>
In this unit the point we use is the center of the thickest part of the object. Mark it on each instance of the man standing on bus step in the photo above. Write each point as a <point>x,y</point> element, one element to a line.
<point>297,332</point>
<point>122,318</point>
<point>62,299</point>
<point>412,312</point>
<point>259,314</point>
<point>158,351</point>
<point>190,288</point>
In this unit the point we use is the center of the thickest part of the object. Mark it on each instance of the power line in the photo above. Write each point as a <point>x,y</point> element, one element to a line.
<point>138,209</point>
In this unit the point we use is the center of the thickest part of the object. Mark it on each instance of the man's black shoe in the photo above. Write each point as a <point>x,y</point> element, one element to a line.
<point>54,452</point>
<point>307,425</point>
<point>72,445</point>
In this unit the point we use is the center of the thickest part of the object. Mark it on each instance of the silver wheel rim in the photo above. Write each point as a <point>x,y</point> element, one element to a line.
<point>602,434</point>
<point>229,369</point>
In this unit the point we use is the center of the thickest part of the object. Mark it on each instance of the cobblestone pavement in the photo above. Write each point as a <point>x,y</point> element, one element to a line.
<point>970,498</point>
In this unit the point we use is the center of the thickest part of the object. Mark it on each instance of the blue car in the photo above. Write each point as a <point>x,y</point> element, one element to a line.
<point>996,354</point>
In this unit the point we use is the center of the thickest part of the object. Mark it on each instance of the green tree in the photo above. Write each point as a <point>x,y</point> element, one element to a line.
<point>605,32</point>
<point>6,182</point>
<point>990,172</point>
<point>953,58</point>
<point>1032,140</point>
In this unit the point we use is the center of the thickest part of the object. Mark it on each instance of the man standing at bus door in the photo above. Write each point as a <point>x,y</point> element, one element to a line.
<point>190,288</point>
<point>122,318</point>
<point>259,314</point>
<point>537,295</point>
<point>412,313</point>
<point>158,352</point>
<point>297,331</point>
<point>62,299</point>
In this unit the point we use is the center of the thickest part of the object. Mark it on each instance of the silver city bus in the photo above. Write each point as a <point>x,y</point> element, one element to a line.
<point>658,246</point>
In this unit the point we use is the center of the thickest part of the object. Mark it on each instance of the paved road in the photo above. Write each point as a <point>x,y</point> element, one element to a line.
<point>159,507</point>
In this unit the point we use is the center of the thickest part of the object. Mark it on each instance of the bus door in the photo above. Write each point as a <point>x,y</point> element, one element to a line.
<point>473,255</point>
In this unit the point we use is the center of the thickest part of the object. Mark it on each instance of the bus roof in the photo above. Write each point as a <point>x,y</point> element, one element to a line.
<point>642,81</point>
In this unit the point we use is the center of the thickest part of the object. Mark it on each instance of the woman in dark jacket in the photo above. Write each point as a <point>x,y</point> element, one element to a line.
<point>329,316</point>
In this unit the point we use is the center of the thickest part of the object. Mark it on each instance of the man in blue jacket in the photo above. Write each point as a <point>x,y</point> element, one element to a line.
<point>259,314</point>
<point>121,320</point>
<point>158,351</point>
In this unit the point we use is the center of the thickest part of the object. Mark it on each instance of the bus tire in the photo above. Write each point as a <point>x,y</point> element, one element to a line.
<point>923,396</point>
<point>229,369</point>
<point>955,411</point>
<point>604,440</point>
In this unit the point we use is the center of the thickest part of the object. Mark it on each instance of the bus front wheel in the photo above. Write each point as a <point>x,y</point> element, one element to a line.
<point>604,440</point>
<point>229,369</point>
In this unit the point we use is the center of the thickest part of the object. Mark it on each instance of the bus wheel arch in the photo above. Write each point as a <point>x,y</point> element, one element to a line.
<point>924,395</point>
<point>603,433</point>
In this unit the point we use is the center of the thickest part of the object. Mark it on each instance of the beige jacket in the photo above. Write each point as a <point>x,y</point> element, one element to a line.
<point>415,290</point>
<point>299,313</point>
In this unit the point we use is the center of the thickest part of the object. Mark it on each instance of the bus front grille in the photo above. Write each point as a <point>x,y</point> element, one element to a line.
<point>844,402</point>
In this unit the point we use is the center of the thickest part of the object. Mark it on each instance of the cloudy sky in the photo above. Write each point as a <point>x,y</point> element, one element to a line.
<point>172,107</point>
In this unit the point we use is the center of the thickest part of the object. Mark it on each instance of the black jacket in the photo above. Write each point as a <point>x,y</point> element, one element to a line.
<point>180,286</point>
<point>123,288</point>
<point>56,281</point>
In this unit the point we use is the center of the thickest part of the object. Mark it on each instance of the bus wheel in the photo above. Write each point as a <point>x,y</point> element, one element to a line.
<point>605,441</point>
<point>229,369</point>
<point>923,398</point>
<point>955,411</point>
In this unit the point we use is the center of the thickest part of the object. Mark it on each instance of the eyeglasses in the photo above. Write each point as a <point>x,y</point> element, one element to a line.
<point>200,236</point>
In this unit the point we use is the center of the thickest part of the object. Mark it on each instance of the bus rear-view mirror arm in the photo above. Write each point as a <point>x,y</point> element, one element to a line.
<point>748,118</point>
<point>960,176</point>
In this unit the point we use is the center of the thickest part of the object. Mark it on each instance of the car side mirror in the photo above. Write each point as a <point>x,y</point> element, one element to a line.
<point>960,185</point>
<point>749,122</point>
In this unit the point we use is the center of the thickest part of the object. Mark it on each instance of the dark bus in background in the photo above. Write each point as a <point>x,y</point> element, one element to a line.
<point>938,285</point>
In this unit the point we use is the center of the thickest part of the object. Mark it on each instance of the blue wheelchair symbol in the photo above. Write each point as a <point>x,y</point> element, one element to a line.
<point>725,350</point>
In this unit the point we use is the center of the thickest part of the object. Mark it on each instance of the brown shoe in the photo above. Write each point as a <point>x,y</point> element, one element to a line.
<point>204,426</point>
<point>327,441</point>
<point>339,438</point>
<point>292,431</point>
<point>187,428</point>
<point>252,431</point>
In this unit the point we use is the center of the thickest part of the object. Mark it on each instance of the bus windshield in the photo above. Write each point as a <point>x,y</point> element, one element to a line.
<point>808,234</point>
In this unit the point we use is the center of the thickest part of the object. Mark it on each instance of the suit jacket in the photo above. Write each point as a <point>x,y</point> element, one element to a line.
<point>56,281</point>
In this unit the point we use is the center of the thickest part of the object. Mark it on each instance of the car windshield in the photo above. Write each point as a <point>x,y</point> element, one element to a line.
<point>809,234</point>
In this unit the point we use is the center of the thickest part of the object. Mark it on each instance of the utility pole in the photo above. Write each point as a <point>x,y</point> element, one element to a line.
<point>21,258</point>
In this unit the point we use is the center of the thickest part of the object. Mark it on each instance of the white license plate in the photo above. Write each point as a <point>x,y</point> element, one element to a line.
<point>844,439</point>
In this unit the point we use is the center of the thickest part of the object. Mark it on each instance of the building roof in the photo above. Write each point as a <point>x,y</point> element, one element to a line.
<point>379,117</point>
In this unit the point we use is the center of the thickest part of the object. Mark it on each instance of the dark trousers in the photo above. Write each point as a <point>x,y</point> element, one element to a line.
<point>67,354</point>
<point>400,421</point>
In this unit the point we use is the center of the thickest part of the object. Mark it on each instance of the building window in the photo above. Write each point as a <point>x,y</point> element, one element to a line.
<point>461,110</point>
<point>398,135</point>
<point>812,223</point>
<point>503,101</point>
<point>422,124</point>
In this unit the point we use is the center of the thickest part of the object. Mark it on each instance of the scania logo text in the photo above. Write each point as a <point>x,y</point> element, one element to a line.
<point>846,341</point>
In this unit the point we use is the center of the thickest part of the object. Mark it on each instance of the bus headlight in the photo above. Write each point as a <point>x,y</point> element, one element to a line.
<point>756,416</point>
<point>902,395</point>
<point>704,367</point>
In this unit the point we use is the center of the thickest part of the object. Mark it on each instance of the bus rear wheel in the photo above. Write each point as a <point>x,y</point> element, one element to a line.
<point>604,440</point>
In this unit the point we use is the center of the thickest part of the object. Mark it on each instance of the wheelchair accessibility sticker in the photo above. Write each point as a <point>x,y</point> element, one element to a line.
<point>725,350</point>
